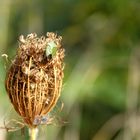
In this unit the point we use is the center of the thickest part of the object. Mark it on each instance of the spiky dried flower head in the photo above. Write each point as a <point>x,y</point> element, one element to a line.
<point>34,79</point>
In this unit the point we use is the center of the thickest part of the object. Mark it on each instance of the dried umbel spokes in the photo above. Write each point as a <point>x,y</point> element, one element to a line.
<point>34,79</point>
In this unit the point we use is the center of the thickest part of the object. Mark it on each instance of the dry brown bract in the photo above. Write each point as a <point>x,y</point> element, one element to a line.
<point>34,80</point>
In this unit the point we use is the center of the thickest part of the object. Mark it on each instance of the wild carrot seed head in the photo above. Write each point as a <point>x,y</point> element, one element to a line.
<point>34,79</point>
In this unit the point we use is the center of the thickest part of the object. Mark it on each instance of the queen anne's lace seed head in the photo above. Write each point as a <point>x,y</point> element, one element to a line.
<point>34,79</point>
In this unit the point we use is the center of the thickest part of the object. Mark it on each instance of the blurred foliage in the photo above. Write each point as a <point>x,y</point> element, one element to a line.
<point>100,38</point>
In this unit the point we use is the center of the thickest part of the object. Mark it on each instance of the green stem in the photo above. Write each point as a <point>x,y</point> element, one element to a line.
<point>33,133</point>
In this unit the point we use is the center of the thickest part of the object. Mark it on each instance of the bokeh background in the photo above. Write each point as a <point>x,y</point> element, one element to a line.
<point>102,65</point>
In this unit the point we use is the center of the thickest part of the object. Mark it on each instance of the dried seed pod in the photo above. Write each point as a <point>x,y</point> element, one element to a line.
<point>34,79</point>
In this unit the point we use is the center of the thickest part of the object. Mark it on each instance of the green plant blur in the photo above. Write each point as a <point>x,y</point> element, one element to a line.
<point>101,86</point>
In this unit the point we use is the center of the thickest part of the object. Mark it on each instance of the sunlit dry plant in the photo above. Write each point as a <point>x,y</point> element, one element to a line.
<point>34,79</point>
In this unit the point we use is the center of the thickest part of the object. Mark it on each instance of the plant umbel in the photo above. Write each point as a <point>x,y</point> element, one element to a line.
<point>34,79</point>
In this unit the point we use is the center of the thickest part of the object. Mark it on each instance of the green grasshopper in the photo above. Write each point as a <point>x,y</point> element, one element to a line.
<point>51,49</point>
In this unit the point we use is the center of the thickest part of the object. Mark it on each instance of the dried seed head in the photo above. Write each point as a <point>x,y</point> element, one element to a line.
<point>34,79</point>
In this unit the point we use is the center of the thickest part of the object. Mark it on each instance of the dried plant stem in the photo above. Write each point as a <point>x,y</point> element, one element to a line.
<point>33,133</point>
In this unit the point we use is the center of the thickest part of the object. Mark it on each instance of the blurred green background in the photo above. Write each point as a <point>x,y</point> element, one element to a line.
<point>102,63</point>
